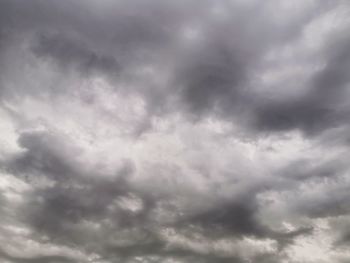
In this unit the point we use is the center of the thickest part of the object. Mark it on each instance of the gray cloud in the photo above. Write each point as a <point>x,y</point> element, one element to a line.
<point>320,108</point>
<point>163,131</point>
<point>40,259</point>
<point>67,52</point>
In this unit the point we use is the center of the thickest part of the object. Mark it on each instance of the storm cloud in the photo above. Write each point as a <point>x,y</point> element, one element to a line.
<point>174,131</point>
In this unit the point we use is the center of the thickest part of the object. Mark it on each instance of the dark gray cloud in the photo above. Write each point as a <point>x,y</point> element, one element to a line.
<point>40,259</point>
<point>173,131</point>
<point>69,52</point>
<point>320,108</point>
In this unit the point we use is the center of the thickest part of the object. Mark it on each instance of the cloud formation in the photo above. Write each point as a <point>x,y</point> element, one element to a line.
<point>174,131</point>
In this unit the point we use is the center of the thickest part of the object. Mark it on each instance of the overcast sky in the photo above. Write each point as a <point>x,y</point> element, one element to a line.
<point>174,131</point>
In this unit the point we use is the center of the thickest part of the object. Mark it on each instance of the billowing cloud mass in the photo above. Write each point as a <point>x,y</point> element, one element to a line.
<point>174,131</point>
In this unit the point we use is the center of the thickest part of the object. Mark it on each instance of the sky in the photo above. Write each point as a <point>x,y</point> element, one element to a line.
<point>174,131</point>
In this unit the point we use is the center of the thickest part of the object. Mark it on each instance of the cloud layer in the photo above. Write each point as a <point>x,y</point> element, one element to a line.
<point>174,131</point>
